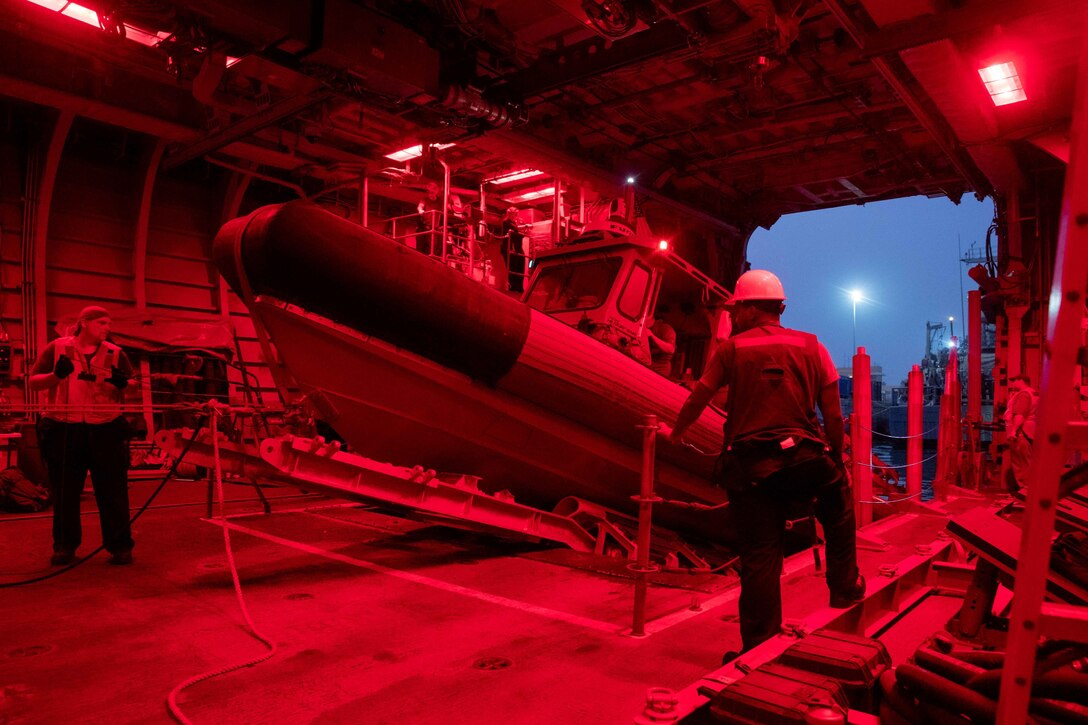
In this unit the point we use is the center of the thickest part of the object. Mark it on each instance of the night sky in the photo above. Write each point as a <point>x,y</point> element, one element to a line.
<point>901,254</point>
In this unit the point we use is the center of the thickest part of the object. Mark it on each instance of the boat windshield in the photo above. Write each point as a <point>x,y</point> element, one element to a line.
<point>578,286</point>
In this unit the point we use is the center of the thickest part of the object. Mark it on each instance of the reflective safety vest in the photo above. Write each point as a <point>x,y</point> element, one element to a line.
<point>774,378</point>
<point>85,396</point>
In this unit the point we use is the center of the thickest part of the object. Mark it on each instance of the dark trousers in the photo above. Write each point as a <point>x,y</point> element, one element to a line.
<point>70,451</point>
<point>761,511</point>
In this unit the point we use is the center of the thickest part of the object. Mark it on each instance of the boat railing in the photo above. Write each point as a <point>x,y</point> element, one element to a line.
<point>460,250</point>
<point>463,248</point>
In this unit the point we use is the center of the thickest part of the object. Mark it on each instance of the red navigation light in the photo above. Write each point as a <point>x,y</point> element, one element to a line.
<point>663,245</point>
<point>1003,83</point>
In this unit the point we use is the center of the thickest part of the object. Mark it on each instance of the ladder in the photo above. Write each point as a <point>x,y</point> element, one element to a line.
<point>1056,434</point>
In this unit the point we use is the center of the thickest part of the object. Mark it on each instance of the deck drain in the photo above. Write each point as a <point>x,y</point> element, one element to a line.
<point>492,663</point>
<point>299,595</point>
<point>30,651</point>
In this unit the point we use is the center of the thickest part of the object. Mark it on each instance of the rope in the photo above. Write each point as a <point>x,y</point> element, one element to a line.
<point>901,438</point>
<point>171,700</point>
<point>905,465</point>
<point>893,500</point>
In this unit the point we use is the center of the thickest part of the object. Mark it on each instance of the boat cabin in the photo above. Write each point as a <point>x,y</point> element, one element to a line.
<point>611,284</point>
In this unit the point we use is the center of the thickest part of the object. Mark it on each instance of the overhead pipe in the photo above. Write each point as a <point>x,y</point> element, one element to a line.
<point>471,103</point>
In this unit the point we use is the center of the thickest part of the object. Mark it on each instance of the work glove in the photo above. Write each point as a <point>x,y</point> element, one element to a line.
<point>117,378</point>
<point>63,367</point>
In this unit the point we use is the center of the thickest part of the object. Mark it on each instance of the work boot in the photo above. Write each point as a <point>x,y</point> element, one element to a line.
<point>62,557</point>
<point>850,598</point>
<point>121,558</point>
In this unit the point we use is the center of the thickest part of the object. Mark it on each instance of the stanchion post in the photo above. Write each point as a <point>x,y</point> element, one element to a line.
<point>914,431</point>
<point>646,501</point>
<point>861,437</point>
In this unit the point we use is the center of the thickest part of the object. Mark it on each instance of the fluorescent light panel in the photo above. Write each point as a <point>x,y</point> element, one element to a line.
<point>413,152</point>
<point>514,176</point>
<point>90,17</point>
<point>530,195</point>
<point>1003,83</point>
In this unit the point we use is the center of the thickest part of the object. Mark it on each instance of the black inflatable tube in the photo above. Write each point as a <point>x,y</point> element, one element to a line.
<point>896,707</point>
<point>947,666</point>
<point>302,254</point>
<point>927,686</point>
<point>985,659</point>
<point>1060,685</point>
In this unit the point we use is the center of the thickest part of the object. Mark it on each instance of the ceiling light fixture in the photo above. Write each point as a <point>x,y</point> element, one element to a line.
<point>416,151</point>
<point>513,176</point>
<point>531,195</point>
<point>1003,83</point>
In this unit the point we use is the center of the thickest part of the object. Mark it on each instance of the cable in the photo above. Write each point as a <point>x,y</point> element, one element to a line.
<point>893,500</point>
<point>904,465</point>
<point>74,564</point>
<point>902,438</point>
<point>171,700</point>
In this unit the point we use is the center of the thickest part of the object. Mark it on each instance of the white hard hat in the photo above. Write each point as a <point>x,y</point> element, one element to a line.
<point>759,284</point>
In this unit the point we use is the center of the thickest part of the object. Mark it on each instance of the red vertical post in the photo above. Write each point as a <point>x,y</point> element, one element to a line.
<point>646,499</point>
<point>948,439</point>
<point>914,431</point>
<point>974,384</point>
<point>974,355</point>
<point>861,437</point>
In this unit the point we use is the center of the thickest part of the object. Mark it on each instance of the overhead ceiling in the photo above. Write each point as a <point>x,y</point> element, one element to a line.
<point>730,111</point>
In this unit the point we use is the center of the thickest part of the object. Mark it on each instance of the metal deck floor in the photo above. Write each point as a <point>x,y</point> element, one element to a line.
<point>376,620</point>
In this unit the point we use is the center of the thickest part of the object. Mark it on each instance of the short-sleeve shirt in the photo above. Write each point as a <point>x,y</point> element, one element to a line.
<point>774,376</point>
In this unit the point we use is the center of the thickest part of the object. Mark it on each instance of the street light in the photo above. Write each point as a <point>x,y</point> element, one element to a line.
<point>855,296</point>
<point>951,327</point>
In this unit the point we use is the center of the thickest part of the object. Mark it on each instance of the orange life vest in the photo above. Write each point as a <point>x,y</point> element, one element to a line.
<point>85,396</point>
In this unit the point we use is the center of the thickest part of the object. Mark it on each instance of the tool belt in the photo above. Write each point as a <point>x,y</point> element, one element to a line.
<point>744,464</point>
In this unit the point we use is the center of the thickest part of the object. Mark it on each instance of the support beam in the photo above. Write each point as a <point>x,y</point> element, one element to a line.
<point>43,204</point>
<point>139,268</point>
<point>245,127</point>
<point>972,17</point>
<point>936,127</point>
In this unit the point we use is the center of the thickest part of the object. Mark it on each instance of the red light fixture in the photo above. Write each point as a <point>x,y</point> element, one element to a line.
<point>90,17</point>
<point>413,152</point>
<point>513,176</point>
<point>1003,83</point>
<point>531,195</point>
<point>663,245</point>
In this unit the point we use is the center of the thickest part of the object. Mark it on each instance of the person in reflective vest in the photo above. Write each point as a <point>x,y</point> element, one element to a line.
<point>82,430</point>
<point>777,460</point>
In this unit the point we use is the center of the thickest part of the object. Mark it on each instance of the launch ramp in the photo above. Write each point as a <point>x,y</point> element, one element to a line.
<point>451,499</point>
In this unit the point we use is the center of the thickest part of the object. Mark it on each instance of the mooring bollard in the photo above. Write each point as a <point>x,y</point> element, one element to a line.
<point>914,432</point>
<point>861,437</point>
<point>646,500</point>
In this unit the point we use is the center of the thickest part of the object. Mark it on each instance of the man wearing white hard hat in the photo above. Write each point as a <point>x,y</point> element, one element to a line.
<point>776,456</point>
<point>83,430</point>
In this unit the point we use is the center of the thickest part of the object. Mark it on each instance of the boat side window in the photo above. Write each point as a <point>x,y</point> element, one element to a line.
<point>633,297</point>
<point>579,286</point>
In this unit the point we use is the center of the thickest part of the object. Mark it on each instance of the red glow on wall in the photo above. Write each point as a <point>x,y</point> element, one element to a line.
<point>1003,83</point>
